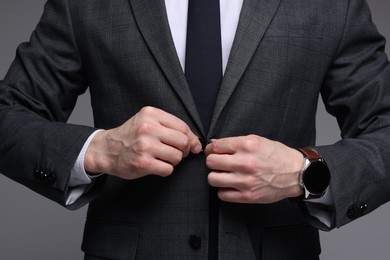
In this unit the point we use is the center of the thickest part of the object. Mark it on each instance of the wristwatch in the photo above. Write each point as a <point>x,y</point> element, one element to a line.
<point>315,176</point>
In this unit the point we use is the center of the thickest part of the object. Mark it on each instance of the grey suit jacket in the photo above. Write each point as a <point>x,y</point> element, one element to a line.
<point>285,54</point>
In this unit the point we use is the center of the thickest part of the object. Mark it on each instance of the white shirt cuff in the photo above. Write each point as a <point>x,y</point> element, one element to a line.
<point>325,217</point>
<point>79,179</point>
<point>78,176</point>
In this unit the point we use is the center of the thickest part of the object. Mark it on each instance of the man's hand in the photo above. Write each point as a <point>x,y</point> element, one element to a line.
<point>150,143</point>
<point>253,169</point>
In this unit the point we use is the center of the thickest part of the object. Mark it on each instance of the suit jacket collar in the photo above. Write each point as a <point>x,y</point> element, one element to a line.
<point>152,20</point>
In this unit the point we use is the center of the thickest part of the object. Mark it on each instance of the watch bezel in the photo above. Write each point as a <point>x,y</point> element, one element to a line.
<point>316,177</point>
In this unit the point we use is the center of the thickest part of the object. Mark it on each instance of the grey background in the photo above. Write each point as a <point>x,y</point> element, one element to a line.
<point>32,227</point>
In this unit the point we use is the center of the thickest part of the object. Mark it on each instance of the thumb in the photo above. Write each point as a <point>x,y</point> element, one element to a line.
<point>195,144</point>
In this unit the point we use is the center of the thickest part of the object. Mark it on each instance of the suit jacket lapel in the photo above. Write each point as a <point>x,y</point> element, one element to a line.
<point>255,17</point>
<point>152,20</point>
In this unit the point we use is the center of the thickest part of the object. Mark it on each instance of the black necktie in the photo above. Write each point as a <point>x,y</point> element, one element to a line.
<point>203,70</point>
<point>203,65</point>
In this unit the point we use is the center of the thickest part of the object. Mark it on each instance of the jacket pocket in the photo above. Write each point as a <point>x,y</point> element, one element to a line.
<point>110,240</point>
<point>295,242</point>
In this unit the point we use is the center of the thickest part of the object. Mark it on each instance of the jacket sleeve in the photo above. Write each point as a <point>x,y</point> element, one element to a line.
<point>356,91</point>
<point>38,149</point>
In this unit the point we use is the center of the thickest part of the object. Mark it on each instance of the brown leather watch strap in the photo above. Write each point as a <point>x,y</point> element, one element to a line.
<point>310,153</point>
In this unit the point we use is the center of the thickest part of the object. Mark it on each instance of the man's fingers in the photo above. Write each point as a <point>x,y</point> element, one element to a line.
<point>236,196</point>
<point>159,168</point>
<point>168,154</point>
<point>231,195</point>
<point>195,144</point>
<point>222,146</point>
<point>222,180</point>
<point>172,122</point>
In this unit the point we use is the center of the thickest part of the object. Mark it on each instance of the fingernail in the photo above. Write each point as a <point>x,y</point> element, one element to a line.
<point>198,148</point>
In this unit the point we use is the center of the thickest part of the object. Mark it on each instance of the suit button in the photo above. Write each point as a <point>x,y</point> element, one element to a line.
<point>50,178</point>
<point>204,143</point>
<point>44,176</point>
<point>355,212</point>
<point>39,175</point>
<point>195,242</point>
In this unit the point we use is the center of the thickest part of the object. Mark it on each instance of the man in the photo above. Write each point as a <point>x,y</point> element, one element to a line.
<point>130,54</point>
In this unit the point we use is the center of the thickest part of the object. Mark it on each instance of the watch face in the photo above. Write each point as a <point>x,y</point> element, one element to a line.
<point>316,177</point>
